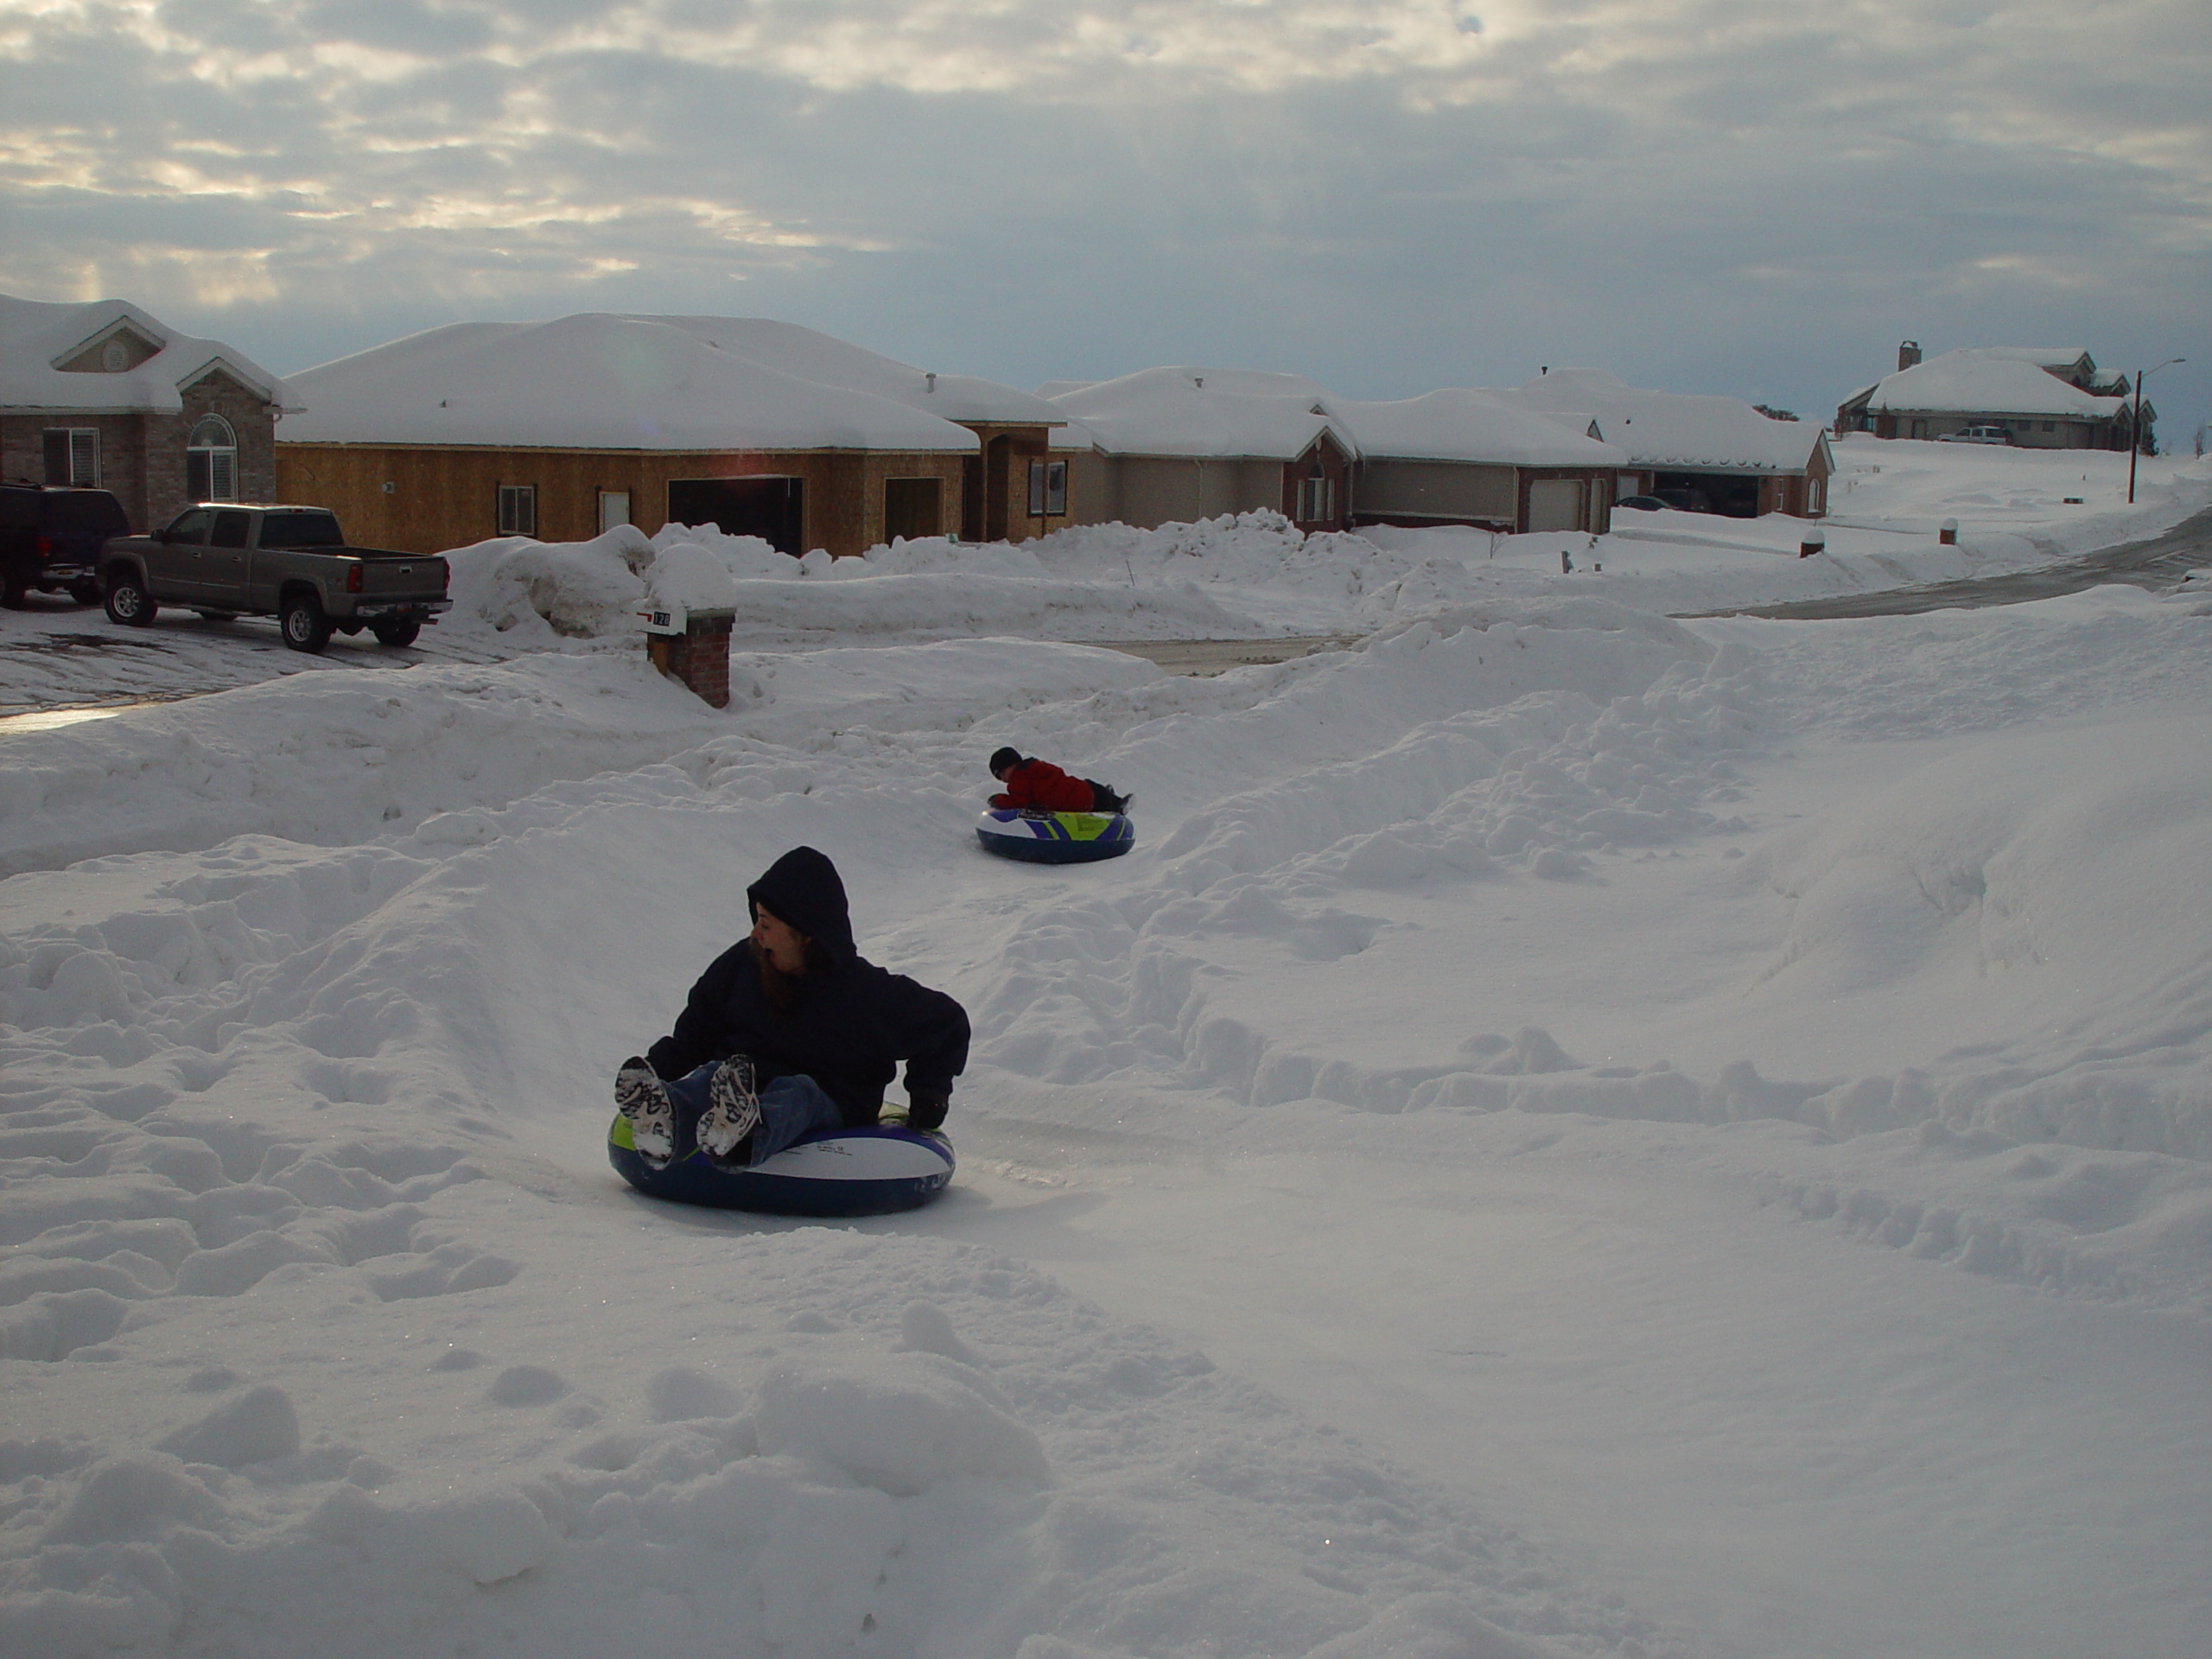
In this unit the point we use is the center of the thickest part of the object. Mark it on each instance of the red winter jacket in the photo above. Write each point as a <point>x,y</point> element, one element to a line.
<point>1040,786</point>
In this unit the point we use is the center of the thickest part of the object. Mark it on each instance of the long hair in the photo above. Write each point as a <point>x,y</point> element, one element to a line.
<point>780,988</point>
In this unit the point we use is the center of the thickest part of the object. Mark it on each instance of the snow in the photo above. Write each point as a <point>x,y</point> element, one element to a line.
<point>1210,412</point>
<point>35,335</point>
<point>809,355</point>
<point>1478,426</point>
<point>597,382</point>
<point>1577,1131</point>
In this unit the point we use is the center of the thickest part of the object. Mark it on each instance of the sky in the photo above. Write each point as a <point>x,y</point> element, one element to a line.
<point>1753,197</point>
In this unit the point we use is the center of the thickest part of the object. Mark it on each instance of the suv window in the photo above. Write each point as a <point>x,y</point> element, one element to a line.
<point>86,510</point>
<point>231,530</point>
<point>190,527</point>
<point>317,529</point>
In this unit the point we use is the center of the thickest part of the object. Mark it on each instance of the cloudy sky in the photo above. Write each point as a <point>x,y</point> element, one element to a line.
<point>1758,197</point>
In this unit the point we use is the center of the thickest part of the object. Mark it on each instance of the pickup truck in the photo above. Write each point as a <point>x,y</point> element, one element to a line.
<point>290,563</point>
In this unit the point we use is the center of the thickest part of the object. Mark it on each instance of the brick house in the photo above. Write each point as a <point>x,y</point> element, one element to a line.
<point>106,394</point>
<point>2044,400</point>
<point>562,429</point>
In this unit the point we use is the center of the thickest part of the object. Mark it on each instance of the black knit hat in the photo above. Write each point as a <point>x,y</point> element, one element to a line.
<point>1001,759</point>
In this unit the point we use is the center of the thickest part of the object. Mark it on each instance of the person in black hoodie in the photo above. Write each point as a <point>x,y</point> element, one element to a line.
<point>791,1031</point>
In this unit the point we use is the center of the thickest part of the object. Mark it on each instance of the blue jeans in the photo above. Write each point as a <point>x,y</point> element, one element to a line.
<point>789,1107</point>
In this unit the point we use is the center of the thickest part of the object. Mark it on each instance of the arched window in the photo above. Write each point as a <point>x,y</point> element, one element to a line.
<point>211,460</point>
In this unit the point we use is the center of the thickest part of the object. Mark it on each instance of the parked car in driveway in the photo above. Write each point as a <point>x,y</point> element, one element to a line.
<point>50,541</point>
<point>1685,499</point>
<point>293,564</point>
<point>1641,504</point>
<point>1977,434</point>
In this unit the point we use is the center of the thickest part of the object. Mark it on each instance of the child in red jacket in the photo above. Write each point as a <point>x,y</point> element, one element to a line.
<point>1040,786</point>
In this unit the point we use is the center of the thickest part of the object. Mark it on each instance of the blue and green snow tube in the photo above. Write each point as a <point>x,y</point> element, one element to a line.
<point>1055,837</point>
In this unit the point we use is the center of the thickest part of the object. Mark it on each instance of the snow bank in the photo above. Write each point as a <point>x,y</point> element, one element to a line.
<point>1643,974</point>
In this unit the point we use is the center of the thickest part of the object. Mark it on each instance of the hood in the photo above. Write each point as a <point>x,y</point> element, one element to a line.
<point>803,889</point>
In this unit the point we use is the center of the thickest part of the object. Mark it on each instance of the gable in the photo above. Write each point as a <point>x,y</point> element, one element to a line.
<point>216,381</point>
<point>116,349</point>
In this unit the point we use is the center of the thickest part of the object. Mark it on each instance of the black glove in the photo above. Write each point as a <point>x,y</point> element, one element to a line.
<point>925,1109</point>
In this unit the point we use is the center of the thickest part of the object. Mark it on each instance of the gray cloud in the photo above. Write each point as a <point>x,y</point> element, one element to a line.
<point>1709,194</point>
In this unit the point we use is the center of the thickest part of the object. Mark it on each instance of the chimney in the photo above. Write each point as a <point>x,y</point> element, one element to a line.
<point>1907,354</point>
<point>931,379</point>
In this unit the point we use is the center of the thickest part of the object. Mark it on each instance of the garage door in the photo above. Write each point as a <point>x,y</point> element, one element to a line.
<point>1558,504</point>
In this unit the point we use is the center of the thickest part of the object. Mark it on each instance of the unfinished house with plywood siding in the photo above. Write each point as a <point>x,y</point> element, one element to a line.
<point>561,430</point>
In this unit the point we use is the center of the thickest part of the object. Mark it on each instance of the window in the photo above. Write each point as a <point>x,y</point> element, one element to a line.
<point>231,530</point>
<point>190,527</point>
<point>614,509</point>
<point>1048,489</point>
<point>1317,500</point>
<point>211,460</point>
<point>517,509</point>
<point>72,455</point>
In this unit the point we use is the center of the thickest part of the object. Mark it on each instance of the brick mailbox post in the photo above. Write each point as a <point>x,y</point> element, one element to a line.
<point>692,647</point>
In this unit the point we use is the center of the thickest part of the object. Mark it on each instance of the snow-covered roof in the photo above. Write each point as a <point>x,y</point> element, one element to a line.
<point>1210,412</point>
<point>599,382</point>
<point>1671,429</point>
<point>1464,425</point>
<point>37,336</point>
<point>1990,380</point>
<point>809,355</point>
<point>2043,357</point>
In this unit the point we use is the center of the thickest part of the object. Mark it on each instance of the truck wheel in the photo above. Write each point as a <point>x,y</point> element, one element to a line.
<point>127,602</point>
<point>87,591</point>
<point>396,634</point>
<point>306,628</point>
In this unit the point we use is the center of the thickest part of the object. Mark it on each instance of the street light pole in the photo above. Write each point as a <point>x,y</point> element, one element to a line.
<point>2135,428</point>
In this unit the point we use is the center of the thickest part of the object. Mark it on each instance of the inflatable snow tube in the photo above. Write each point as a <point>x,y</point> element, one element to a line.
<point>870,1172</point>
<point>1055,837</point>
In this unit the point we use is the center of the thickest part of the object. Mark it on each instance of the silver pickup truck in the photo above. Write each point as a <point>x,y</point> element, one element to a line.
<point>289,562</point>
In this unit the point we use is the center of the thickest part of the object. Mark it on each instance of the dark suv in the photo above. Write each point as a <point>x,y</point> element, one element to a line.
<point>50,539</point>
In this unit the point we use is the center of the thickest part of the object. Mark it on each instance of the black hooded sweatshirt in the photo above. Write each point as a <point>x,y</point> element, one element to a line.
<point>849,1023</point>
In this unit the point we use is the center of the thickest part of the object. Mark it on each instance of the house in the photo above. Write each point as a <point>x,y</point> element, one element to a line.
<point>1173,445</point>
<point>1745,463</point>
<point>2044,398</point>
<point>1467,457</point>
<point>564,429</point>
<point>107,395</point>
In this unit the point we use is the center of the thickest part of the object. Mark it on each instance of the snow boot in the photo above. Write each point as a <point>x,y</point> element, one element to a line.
<point>642,1098</point>
<point>734,1112</point>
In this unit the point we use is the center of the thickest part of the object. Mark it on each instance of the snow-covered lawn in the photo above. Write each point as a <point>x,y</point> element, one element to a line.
<point>1573,1132</point>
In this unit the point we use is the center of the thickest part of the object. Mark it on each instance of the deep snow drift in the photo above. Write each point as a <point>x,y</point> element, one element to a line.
<point>1573,1132</point>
